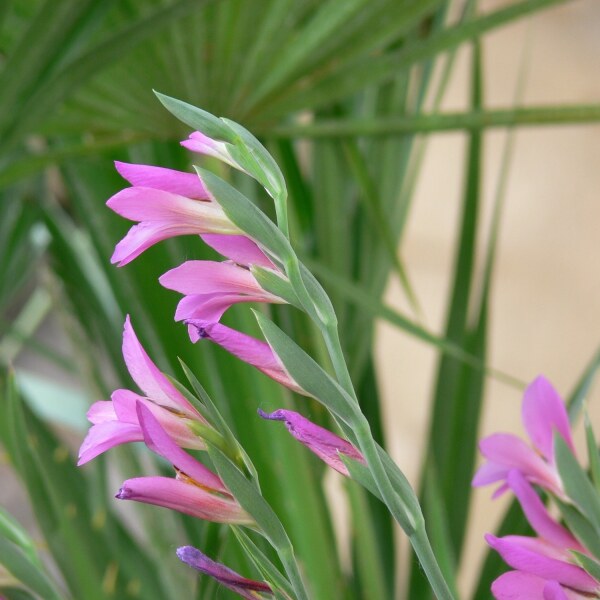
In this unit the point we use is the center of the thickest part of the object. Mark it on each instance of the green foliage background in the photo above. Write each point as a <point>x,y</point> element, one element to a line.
<point>336,89</point>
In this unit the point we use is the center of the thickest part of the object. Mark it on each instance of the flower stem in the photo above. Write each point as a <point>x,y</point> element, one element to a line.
<point>286,555</point>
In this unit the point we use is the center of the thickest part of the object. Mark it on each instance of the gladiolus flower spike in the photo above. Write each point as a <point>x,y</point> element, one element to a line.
<point>326,445</point>
<point>246,588</point>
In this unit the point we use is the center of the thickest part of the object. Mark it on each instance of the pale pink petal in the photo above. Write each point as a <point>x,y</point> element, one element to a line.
<point>246,588</point>
<point>148,377</point>
<point>183,497</point>
<point>238,248</point>
<point>489,472</point>
<point>537,514</point>
<point>101,411</point>
<point>157,439</point>
<point>202,144</point>
<point>167,180</point>
<point>544,413</point>
<point>104,436</point>
<point>554,591</point>
<point>325,444</point>
<point>533,556</point>
<point>207,277</point>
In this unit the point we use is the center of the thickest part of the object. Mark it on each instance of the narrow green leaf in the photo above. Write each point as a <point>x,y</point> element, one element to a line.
<point>13,532</point>
<point>23,569</point>
<point>589,564</point>
<point>262,563</point>
<point>593,454</point>
<point>197,118</point>
<point>576,483</point>
<point>274,283</point>
<point>247,216</point>
<point>581,527</point>
<point>304,370</point>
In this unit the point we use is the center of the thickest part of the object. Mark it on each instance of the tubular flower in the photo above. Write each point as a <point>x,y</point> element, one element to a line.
<point>195,490</point>
<point>116,422</point>
<point>543,413</point>
<point>247,348</point>
<point>246,588</point>
<point>326,445</point>
<point>544,565</point>
<point>165,203</point>
<point>211,287</point>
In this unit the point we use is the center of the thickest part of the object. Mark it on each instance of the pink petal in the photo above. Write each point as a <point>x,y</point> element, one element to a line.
<point>148,377</point>
<point>532,556</point>
<point>326,445</point>
<point>104,436</point>
<point>507,450</point>
<point>517,585</point>
<point>238,248</point>
<point>167,180</point>
<point>209,307</point>
<point>183,497</point>
<point>554,591</point>
<point>242,586</point>
<point>208,277</point>
<point>543,413</point>
<point>247,348</point>
<point>157,439</point>
<point>101,411</point>
<point>537,514</point>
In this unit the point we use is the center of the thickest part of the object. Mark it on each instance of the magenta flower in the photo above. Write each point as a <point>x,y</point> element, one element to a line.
<point>545,563</point>
<point>195,490</point>
<point>165,203</point>
<point>247,348</point>
<point>246,588</point>
<point>326,445</point>
<point>116,422</point>
<point>543,414</point>
<point>211,287</point>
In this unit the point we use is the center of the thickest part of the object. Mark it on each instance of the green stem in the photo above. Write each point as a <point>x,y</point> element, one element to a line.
<point>286,555</point>
<point>422,547</point>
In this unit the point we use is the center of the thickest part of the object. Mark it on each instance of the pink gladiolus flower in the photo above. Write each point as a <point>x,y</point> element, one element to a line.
<point>195,490</point>
<point>246,588</point>
<point>543,414</point>
<point>544,565</point>
<point>247,348</point>
<point>116,422</point>
<point>211,287</point>
<point>326,445</point>
<point>165,203</point>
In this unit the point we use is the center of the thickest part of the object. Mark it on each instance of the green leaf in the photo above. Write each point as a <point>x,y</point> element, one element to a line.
<point>197,118</point>
<point>306,372</point>
<point>247,216</point>
<point>593,454</point>
<point>13,532</point>
<point>581,528</point>
<point>589,564</point>
<point>17,562</point>
<point>576,483</point>
<point>275,284</point>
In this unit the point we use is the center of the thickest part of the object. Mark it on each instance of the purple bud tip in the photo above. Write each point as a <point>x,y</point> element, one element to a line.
<point>277,415</point>
<point>187,554</point>
<point>122,494</point>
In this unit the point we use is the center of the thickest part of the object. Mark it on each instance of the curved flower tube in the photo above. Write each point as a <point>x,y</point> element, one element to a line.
<point>326,445</point>
<point>543,413</point>
<point>195,491</point>
<point>247,348</point>
<point>246,588</point>
<point>116,422</point>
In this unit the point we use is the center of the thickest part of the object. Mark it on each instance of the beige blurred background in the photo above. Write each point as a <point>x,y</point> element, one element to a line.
<point>545,314</point>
